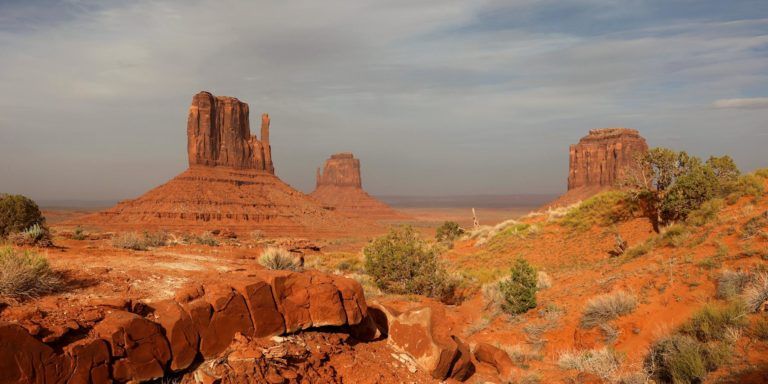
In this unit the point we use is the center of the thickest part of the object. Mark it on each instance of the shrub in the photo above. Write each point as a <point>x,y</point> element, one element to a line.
<point>674,235</point>
<point>756,292</point>
<point>280,259</point>
<point>706,213</point>
<point>79,234</point>
<point>641,249</point>
<point>712,323</point>
<point>448,231</point>
<point>677,359</point>
<point>731,283</point>
<point>37,235</point>
<point>18,213</point>
<point>602,209</point>
<point>604,362</point>
<point>24,274</point>
<point>754,225</point>
<point>136,242</point>
<point>760,328</point>
<point>543,281</point>
<point>519,290</point>
<point>607,307</point>
<point>206,238</point>
<point>402,263</point>
<point>747,185</point>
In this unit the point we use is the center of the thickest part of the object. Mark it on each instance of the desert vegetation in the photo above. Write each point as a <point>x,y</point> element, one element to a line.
<point>518,291</point>
<point>25,274</point>
<point>604,308</point>
<point>279,259</point>
<point>22,223</point>
<point>401,262</point>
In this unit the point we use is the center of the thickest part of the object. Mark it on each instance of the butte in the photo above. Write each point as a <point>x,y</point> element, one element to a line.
<point>599,161</point>
<point>230,182</point>
<point>340,187</point>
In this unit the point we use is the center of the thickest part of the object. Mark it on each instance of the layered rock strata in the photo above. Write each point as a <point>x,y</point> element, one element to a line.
<point>340,187</point>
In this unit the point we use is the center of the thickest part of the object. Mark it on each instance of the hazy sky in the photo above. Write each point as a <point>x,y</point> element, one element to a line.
<point>435,97</point>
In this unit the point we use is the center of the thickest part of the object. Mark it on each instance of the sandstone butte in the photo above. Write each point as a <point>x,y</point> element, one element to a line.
<point>340,187</point>
<point>230,182</point>
<point>599,161</point>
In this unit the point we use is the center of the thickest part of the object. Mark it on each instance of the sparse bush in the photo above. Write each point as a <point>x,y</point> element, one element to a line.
<point>279,259</point>
<point>756,292</point>
<point>604,362</point>
<point>448,231</point>
<point>205,238</point>
<point>747,185</point>
<point>402,263</point>
<point>732,283</point>
<point>129,240</point>
<point>602,209</point>
<point>760,328</point>
<point>18,213</point>
<point>492,296</point>
<point>79,233</point>
<point>140,242</point>
<point>25,274</point>
<point>543,281</point>
<point>640,249</point>
<point>519,290</point>
<point>712,322</point>
<point>36,235</point>
<point>677,359</point>
<point>673,236</point>
<point>754,225</point>
<point>604,308</point>
<point>706,213</point>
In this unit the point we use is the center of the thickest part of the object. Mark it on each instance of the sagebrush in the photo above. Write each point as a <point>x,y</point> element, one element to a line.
<point>279,259</point>
<point>25,274</point>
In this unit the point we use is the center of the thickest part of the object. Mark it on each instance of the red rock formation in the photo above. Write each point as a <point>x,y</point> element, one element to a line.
<point>230,183</point>
<point>599,161</point>
<point>219,134</point>
<point>203,319</point>
<point>340,187</point>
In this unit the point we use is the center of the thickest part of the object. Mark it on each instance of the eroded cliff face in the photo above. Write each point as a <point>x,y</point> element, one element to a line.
<point>219,134</point>
<point>602,158</point>
<point>340,187</point>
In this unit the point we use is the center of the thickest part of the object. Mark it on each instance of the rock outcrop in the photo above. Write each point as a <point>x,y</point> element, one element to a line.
<point>230,183</point>
<point>340,187</point>
<point>219,134</point>
<point>202,322</point>
<point>599,161</point>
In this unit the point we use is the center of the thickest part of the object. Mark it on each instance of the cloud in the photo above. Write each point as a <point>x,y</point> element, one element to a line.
<point>746,103</point>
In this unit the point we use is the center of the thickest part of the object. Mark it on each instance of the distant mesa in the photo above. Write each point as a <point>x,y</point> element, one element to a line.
<point>230,182</point>
<point>599,161</point>
<point>340,187</point>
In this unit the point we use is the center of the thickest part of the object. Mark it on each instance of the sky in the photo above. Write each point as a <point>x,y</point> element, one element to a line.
<point>436,97</point>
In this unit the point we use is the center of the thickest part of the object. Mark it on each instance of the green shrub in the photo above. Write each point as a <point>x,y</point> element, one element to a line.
<point>712,322</point>
<point>18,213</point>
<point>448,231</point>
<point>641,249</point>
<point>604,209</point>
<point>674,235</point>
<point>677,359</point>
<point>706,213</point>
<point>279,259</point>
<point>24,274</point>
<point>604,308</point>
<point>402,263</point>
<point>36,235</point>
<point>747,185</point>
<point>519,290</point>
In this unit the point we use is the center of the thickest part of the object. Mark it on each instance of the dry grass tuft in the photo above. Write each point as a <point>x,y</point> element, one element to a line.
<point>756,293</point>
<point>607,307</point>
<point>732,283</point>
<point>604,362</point>
<point>279,259</point>
<point>543,281</point>
<point>25,274</point>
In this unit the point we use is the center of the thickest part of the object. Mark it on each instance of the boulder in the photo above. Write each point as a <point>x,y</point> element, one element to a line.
<point>24,359</point>
<point>138,347</point>
<point>90,361</point>
<point>181,332</point>
<point>267,320</point>
<point>325,301</point>
<point>497,358</point>
<point>230,316</point>
<point>353,299</point>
